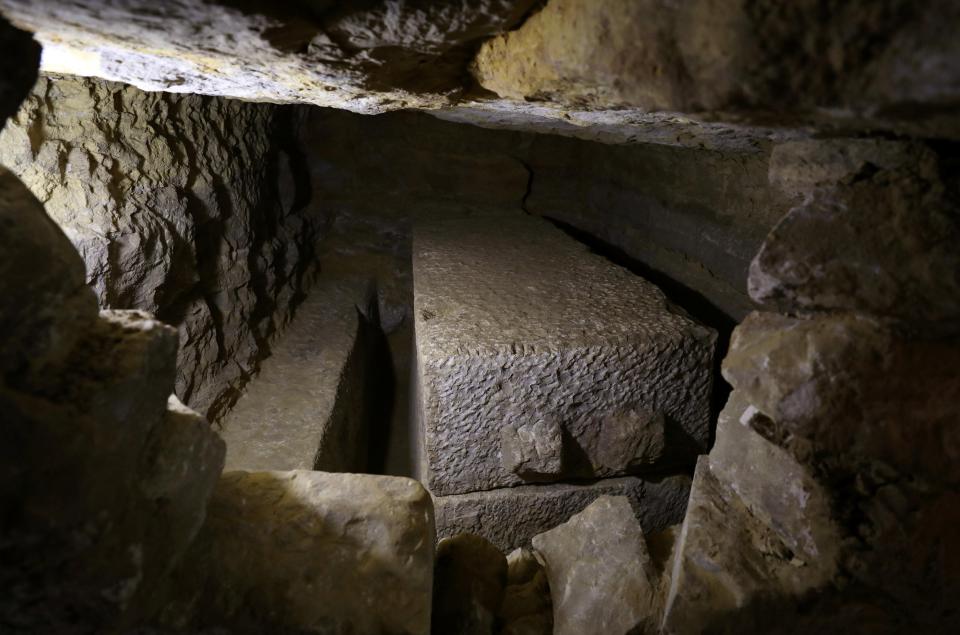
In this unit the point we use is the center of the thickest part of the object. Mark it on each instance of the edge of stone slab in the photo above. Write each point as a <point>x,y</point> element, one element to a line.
<point>339,305</point>
<point>519,513</point>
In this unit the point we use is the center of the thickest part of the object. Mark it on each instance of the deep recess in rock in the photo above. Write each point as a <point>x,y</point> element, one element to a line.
<point>660,300</point>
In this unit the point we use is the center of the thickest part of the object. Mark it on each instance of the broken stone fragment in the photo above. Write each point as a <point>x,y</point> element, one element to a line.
<point>183,461</point>
<point>626,439</point>
<point>104,517</point>
<point>310,552</point>
<point>509,517</point>
<point>468,584</point>
<point>532,449</point>
<point>526,608</point>
<point>852,385</point>
<point>875,232</point>
<point>508,334</point>
<point>776,488</point>
<point>602,580</point>
<point>730,569</point>
<point>47,305</point>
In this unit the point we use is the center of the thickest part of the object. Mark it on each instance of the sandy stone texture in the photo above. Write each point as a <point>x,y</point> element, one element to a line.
<point>727,55</point>
<point>602,579</point>
<point>518,323</point>
<point>728,563</point>
<point>311,405</point>
<point>853,386</point>
<point>105,476</point>
<point>309,552</point>
<point>874,231</point>
<point>184,206</point>
<point>560,65</point>
<point>368,57</point>
<point>777,489</point>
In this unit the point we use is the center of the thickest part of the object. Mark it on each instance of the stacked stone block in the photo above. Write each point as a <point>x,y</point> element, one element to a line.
<point>828,501</point>
<point>540,364</point>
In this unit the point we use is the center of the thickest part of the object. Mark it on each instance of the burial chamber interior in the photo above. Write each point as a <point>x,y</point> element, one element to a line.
<point>479,317</point>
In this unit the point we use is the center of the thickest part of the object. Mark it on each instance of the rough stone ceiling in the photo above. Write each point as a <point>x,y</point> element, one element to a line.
<point>694,72</point>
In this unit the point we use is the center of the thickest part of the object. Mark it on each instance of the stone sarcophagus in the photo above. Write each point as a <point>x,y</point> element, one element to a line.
<point>539,362</point>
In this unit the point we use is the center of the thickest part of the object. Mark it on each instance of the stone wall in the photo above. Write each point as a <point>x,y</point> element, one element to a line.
<point>829,500</point>
<point>686,217</point>
<point>191,208</point>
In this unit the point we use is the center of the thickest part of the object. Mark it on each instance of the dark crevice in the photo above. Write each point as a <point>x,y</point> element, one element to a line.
<point>529,185</point>
<point>379,392</point>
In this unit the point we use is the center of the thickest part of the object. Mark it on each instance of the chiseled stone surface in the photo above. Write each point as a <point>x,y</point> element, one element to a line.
<point>776,488</point>
<point>310,552</point>
<point>510,517</point>
<point>729,567</point>
<point>602,580</point>
<point>875,232</point>
<point>186,207</point>
<point>516,322</point>
<point>309,408</point>
<point>852,385</point>
<point>468,585</point>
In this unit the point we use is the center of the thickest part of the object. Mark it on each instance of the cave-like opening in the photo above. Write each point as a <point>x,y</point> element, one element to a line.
<point>481,317</point>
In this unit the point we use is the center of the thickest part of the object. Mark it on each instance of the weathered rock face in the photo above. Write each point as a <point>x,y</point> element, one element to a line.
<point>875,233</point>
<point>369,57</point>
<point>508,334</point>
<point>104,481</point>
<point>602,579</point>
<point>728,55</point>
<point>45,318</point>
<point>760,531</point>
<point>825,499</point>
<point>889,63</point>
<point>468,585</point>
<point>778,490</point>
<point>729,567</point>
<point>894,396</point>
<point>190,208</point>
<point>309,552</point>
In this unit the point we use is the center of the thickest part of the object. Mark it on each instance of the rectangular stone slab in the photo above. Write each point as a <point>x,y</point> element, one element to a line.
<point>540,361</point>
<point>306,408</point>
<point>510,517</point>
